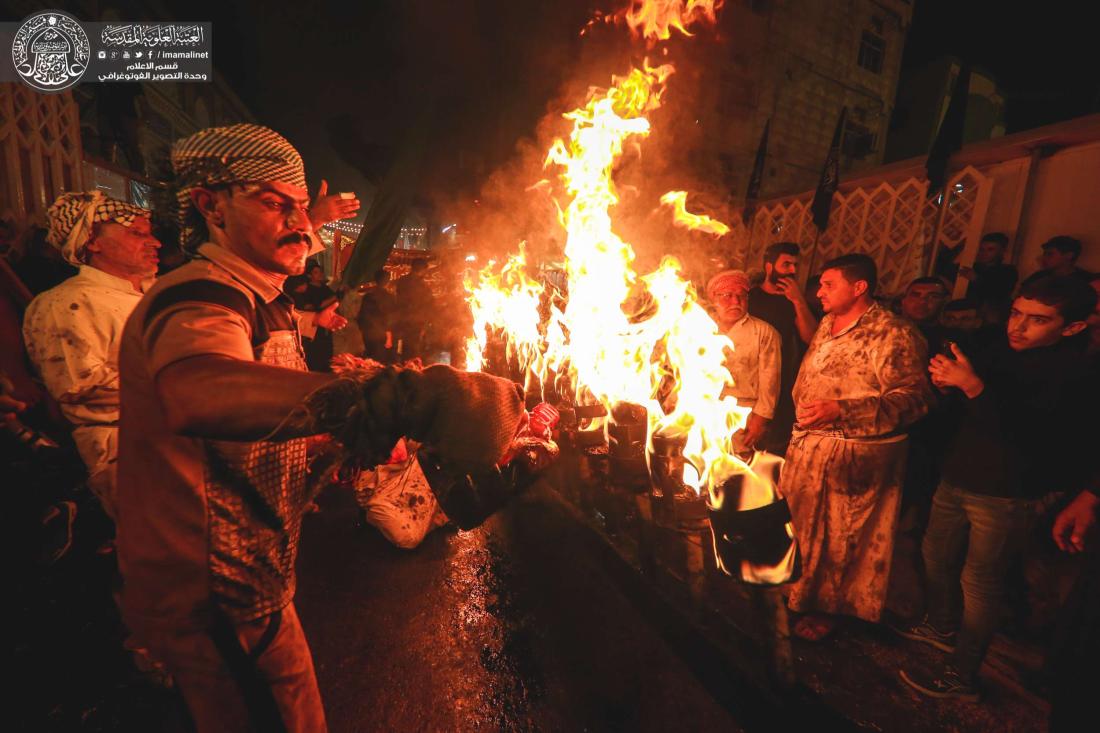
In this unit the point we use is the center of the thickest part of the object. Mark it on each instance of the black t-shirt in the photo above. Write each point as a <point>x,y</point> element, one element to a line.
<point>779,312</point>
<point>1028,432</point>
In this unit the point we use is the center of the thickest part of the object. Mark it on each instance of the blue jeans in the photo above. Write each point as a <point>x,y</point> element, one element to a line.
<point>970,542</point>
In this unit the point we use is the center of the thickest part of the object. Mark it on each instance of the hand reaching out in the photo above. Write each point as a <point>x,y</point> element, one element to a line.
<point>330,319</point>
<point>325,208</point>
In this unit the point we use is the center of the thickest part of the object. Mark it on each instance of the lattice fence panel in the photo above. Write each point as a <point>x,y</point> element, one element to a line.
<point>40,151</point>
<point>893,223</point>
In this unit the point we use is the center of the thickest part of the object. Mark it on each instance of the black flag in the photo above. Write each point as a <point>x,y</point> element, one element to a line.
<point>830,177</point>
<point>950,136</point>
<point>757,177</point>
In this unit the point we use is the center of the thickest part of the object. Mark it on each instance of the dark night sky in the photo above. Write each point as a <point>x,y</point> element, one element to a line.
<point>298,65</point>
<point>1042,54</point>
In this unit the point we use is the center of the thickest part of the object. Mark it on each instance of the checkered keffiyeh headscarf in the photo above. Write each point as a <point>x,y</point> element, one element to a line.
<point>243,153</point>
<point>73,215</point>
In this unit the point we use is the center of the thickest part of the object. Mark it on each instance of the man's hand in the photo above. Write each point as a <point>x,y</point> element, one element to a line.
<point>791,290</point>
<point>957,372</point>
<point>10,407</point>
<point>818,414</point>
<point>325,208</point>
<point>330,319</point>
<point>968,273</point>
<point>1076,522</point>
<point>754,429</point>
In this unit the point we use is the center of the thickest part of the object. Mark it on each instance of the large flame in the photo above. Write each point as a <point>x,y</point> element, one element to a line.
<point>684,218</point>
<point>620,337</point>
<point>654,20</point>
<point>617,336</point>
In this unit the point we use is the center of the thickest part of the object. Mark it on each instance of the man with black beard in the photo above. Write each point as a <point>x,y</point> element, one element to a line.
<point>779,301</point>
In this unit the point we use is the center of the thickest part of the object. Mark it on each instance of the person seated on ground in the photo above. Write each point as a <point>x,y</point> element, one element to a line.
<point>860,387</point>
<point>376,319</point>
<point>73,331</point>
<point>396,499</point>
<point>754,362</point>
<point>1025,404</point>
<point>1059,257</point>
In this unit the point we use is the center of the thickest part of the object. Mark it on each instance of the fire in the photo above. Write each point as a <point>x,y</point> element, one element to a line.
<point>697,222</point>
<point>507,301</point>
<point>654,20</point>
<point>619,336</point>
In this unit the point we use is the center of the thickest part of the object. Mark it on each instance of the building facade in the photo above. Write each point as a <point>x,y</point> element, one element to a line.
<point>798,63</point>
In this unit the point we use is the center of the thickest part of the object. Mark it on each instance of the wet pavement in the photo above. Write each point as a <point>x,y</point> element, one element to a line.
<point>531,623</point>
<point>516,626</point>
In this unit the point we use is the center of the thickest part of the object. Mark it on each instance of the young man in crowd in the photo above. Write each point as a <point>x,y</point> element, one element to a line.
<point>991,279</point>
<point>755,361</point>
<point>73,331</point>
<point>780,302</point>
<point>415,311</point>
<point>213,451</point>
<point>376,319</point>
<point>860,387</point>
<point>922,304</point>
<point>1021,435</point>
<point>1059,257</point>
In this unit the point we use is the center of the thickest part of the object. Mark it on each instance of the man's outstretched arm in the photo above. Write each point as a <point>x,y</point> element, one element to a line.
<point>221,398</point>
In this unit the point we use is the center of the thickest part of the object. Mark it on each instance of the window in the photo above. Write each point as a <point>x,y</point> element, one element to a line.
<point>872,52</point>
<point>859,141</point>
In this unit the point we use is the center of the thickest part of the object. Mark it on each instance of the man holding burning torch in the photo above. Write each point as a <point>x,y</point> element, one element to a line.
<point>217,407</point>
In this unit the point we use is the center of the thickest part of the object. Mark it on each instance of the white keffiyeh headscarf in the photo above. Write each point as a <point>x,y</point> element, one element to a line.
<point>72,217</point>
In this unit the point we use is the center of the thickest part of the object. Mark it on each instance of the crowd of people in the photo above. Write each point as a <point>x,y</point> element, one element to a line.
<point>969,417</point>
<point>201,402</point>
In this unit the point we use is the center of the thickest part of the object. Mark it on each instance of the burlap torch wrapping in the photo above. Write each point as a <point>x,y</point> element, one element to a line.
<point>480,447</point>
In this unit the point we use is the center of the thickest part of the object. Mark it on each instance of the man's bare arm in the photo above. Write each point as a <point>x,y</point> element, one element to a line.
<point>221,398</point>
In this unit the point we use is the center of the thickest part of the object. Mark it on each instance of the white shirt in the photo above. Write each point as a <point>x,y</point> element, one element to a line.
<point>72,333</point>
<point>755,364</point>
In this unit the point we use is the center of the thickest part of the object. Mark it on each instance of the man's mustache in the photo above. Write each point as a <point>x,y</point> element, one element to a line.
<point>295,238</point>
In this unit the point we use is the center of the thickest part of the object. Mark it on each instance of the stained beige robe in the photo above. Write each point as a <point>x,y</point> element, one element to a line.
<point>843,482</point>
